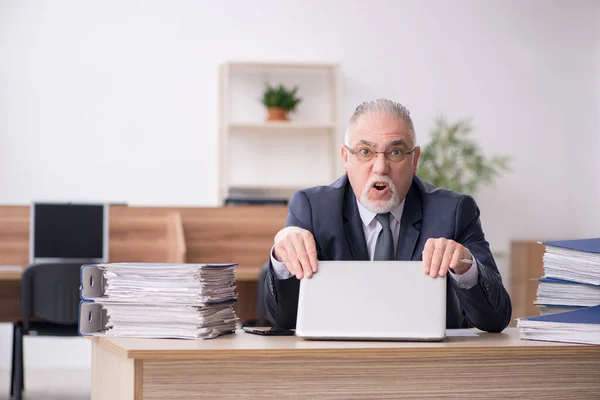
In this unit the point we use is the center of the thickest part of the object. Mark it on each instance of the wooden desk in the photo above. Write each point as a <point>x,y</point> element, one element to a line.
<point>11,274</point>
<point>526,264</point>
<point>251,366</point>
<point>10,295</point>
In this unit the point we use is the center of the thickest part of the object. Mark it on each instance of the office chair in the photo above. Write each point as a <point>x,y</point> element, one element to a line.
<point>49,307</point>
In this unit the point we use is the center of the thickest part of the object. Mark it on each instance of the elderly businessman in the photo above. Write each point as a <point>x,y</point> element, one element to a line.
<point>380,210</point>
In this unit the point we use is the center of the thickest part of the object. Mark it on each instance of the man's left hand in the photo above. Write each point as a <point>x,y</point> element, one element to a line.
<point>442,254</point>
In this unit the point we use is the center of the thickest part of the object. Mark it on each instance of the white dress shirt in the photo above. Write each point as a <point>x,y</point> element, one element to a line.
<point>371,229</point>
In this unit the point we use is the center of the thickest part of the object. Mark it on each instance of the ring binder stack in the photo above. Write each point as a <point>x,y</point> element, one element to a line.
<point>568,294</point>
<point>157,300</point>
<point>571,278</point>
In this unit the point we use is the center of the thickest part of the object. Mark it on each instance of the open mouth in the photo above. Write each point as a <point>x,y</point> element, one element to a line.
<point>380,186</point>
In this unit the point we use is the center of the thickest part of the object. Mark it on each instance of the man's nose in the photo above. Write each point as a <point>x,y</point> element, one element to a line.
<point>380,164</point>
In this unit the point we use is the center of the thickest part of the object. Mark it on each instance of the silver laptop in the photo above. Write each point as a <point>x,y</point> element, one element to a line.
<point>372,300</point>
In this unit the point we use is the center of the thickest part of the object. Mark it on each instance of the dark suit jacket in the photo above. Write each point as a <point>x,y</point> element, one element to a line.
<point>331,214</point>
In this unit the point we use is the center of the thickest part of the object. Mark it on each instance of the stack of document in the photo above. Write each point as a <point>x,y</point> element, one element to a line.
<point>558,292</point>
<point>192,301</point>
<point>580,326</point>
<point>568,294</point>
<point>573,260</point>
<point>571,276</point>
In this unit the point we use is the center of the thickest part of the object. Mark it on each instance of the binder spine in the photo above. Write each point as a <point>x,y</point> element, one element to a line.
<point>92,318</point>
<point>92,282</point>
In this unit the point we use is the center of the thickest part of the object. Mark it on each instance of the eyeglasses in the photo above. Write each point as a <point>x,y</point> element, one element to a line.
<point>365,154</point>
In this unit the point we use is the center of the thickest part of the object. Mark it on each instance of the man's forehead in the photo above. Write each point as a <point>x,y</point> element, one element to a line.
<point>390,142</point>
<point>391,132</point>
<point>381,124</point>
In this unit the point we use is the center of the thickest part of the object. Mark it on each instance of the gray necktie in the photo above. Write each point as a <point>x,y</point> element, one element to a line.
<point>384,249</point>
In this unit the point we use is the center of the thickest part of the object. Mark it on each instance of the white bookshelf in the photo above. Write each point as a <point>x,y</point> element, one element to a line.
<point>274,159</point>
<point>282,126</point>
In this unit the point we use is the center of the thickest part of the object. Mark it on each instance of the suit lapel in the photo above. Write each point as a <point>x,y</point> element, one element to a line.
<point>410,226</point>
<point>353,227</point>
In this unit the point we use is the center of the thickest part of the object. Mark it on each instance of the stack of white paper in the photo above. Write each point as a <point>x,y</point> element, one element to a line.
<point>579,326</point>
<point>557,292</point>
<point>169,321</point>
<point>572,265</point>
<point>169,300</point>
<point>194,284</point>
<point>571,276</point>
<point>568,295</point>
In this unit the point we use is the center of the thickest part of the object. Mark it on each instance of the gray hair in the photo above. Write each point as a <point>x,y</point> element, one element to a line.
<point>380,106</point>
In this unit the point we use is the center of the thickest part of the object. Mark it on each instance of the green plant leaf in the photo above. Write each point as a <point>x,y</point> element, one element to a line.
<point>452,160</point>
<point>280,96</point>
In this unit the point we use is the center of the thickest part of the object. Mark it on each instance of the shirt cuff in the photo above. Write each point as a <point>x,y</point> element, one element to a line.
<point>279,269</point>
<point>469,278</point>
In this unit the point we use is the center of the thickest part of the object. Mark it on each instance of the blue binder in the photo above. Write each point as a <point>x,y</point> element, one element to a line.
<point>565,281</point>
<point>591,245</point>
<point>588,315</point>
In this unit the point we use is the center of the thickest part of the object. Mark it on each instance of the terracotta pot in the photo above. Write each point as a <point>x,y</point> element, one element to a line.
<point>277,114</point>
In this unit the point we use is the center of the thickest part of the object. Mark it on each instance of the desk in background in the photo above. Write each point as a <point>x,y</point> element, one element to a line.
<point>10,293</point>
<point>244,365</point>
<point>242,234</point>
<point>526,265</point>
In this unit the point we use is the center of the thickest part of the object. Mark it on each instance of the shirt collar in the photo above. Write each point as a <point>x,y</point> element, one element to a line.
<point>367,216</point>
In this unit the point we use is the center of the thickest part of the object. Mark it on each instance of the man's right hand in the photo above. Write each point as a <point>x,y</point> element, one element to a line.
<point>296,248</point>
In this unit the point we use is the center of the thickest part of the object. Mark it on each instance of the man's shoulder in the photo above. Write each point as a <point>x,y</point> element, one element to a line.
<point>325,192</point>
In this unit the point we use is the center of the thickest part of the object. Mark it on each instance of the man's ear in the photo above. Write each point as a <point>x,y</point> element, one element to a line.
<point>415,159</point>
<point>345,153</point>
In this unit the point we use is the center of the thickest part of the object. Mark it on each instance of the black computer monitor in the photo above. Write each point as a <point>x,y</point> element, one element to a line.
<point>68,232</point>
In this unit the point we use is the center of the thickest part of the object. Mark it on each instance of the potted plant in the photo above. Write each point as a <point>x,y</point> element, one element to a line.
<point>279,102</point>
<point>454,161</point>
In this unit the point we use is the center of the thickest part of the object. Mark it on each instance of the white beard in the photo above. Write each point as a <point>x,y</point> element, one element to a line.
<point>380,206</point>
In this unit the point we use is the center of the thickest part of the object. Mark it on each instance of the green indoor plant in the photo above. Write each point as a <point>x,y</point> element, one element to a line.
<point>452,160</point>
<point>280,101</point>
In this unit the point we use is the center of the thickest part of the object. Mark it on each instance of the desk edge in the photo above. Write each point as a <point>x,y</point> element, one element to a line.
<point>400,352</point>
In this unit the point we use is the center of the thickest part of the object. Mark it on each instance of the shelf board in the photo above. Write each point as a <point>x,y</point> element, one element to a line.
<point>282,64</point>
<point>283,125</point>
<point>273,186</point>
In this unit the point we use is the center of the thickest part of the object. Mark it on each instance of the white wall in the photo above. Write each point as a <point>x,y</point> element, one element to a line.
<point>597,134</point>
<point>583,129</point>
<point>123,95</point>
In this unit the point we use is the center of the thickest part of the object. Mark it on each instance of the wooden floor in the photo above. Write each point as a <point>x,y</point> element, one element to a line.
<point>51,385</point>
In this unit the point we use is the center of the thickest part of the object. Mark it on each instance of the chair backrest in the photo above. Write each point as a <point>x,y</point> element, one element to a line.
<point>50,293</point>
